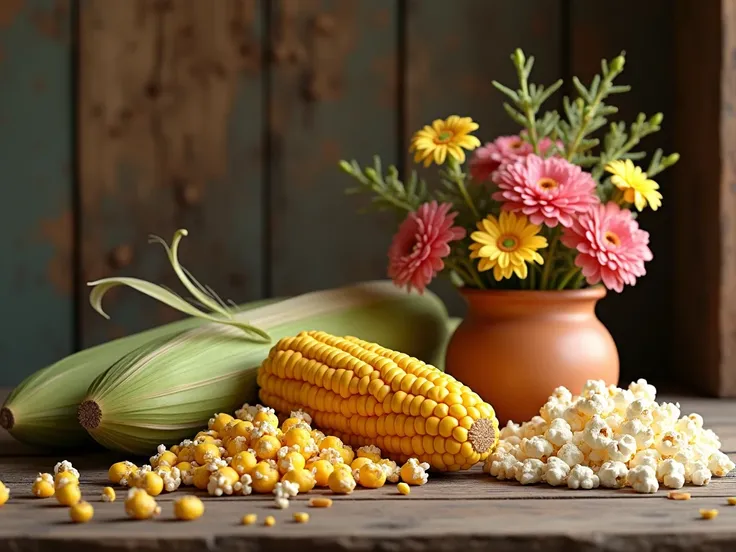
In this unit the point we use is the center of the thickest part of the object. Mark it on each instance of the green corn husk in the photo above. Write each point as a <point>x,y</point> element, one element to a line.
<point>42,410</point>
<point>167,389</point>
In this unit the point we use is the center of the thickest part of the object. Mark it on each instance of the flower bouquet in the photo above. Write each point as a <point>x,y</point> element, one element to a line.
<point>551,208</point>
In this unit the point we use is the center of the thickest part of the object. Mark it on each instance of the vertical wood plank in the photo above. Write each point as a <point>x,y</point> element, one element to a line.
<point>333,96</point>
<point>640,319</point>
<point>705,181</point>
<point>36,240</point>
<point>454,53</point>
<point>170,132</point>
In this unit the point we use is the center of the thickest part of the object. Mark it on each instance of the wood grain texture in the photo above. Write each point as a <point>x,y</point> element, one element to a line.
<point>333,96</point>
<point>704,134</point>
<point>170,131</point>
<point>596,33</point>
<point>36,241</point>
<point>457,511</point>
<point>453,55</point>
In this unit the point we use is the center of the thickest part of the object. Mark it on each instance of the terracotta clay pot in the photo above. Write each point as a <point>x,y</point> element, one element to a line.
<point>515,347</point>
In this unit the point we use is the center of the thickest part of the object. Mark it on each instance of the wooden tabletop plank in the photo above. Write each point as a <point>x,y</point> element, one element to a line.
<point>469,511</point>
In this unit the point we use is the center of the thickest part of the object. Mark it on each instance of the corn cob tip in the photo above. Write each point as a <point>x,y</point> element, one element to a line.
<point>482,435</point>
<point>89,414</point>
<point>7,420</point>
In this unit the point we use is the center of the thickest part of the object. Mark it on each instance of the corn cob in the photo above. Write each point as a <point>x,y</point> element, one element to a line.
<point>163,391</point>
<point>42,410</point>
<point>368,394</point>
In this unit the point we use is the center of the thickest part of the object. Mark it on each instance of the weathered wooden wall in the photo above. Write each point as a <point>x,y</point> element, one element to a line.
<point>120,118</point>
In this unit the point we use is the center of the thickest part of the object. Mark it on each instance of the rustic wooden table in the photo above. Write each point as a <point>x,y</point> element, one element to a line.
<point>462,511</point>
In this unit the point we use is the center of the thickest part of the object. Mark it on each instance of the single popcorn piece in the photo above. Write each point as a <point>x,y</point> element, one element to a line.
<point>643,390</point>
<point>536,426</point>
<point>108,494</point>
<point>620,400</point>
<point>720,464</point>
<point>43,486</point>
<point>530,471</point>
<point>261,429</point>
<point>594,387</point>
<point>371,452</point>
<point>621,449</point>
<point>65,467</point>
<point>575,417</point>
<point>698,474</point>
<point>537,447</point>
<point>643,479</point>
<point>595,405</point>
<point>552,410</point>
<point>649,457</point>
<point>341,481</point>
<point>391,469</point>
<point>671,473</point>
<point>664,417</point>
<point>642,434</point>
<point>286,489</point>
<point>510,430</point>
<point>640,410</point>
<point>582,477</point>
<point>414,472</point>
<point>613,475</point>
<point>556,471</point>
<point>306,418</point>
<point>332,455</point>
<point>562,394</point>
<point>219,485</point>
<point>281,502</point>
<point>246,413</point>
<point>614,421</point>
<point>597,435</point>
<point>669,444</point>
<point>243,486</point>
<point>504,467</point>
<point>570,454</point>
<point>171,479</point>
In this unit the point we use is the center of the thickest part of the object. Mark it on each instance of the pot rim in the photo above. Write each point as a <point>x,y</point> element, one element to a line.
<point>597,291</point>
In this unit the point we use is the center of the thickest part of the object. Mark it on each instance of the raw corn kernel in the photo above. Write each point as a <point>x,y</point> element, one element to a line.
<point>320,502</point>
<point>204,453</point>
<point>269,521</point>
<point>108,494</point>
<point>301,517</point>
<point>243,462</point>
<point>4,493</point>
<point>67,492</point>
<point>188,508</point>
<point>43,486</point>
<point>249,519</point>
<point>359,462</point>
<point>219,422</point>
<point>403,488</point>
<point>201,477</point>
<point>140,505</point>
<point>81,512</point>
<point>708,514</point>
<point>731,500</point>
<point>677,495</point>
<point>363,394</point>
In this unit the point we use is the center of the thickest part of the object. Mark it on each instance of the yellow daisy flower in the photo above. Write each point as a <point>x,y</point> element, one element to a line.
<point>443,138</point>
<point>635,185</point>
<point>506,244</point>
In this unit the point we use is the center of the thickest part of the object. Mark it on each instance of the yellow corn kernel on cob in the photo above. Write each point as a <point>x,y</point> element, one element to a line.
<point>366,394</point>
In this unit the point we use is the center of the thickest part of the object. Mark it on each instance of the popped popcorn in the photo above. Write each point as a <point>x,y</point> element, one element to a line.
<point>613,475</point>
<point>301,415</point>
<point>536,447</point>
<point>530,471</point>
<point>332,455</point>
<point>671,473</point>
<point>609,436</point>
<point>582,477</point>
<point>556,471</point>
<point>65,466</point>
<point>643,479</point>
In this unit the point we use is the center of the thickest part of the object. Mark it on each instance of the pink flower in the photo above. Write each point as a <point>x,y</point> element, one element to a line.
<point>548,191</point>
<point>611,246</point>
<point>417,250</point>
<point>504,149</point>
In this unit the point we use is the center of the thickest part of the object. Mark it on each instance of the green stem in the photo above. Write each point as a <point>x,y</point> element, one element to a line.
<point>588,117</point>
<point>528,110</point>
<point>569,276</point>
<point>532,278</point>
<point>468,200</point>
<point>474,273</point>
<point>578,281</point>
<point>466,277</point>
<point>457,177</point>
<point>549,258</point>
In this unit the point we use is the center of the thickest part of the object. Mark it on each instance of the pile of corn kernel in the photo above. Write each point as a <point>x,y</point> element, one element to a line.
<point>252,453</point>
<point>609,437</point>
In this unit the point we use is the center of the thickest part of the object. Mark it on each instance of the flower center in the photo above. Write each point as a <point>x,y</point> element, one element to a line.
<point>443,137</point>
<point>547,183</point>
<point>516,144</point>
<point>508,243</point>
<point>612,238</point>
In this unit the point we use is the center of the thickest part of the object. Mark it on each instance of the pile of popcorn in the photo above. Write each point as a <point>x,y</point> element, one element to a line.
<point>609,437</point>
